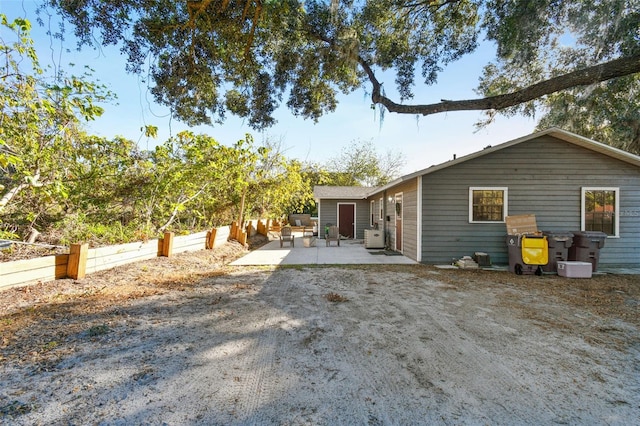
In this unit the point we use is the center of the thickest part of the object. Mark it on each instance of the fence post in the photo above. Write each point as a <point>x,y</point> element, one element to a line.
<point>242,237</point>
<point>167,244</point>
<point>77,264</point>
<point>234,230</point>
<point>211,238</point>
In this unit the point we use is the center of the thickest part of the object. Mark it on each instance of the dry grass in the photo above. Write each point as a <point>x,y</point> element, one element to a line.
<point>31,316</point>
<point>335,297</point>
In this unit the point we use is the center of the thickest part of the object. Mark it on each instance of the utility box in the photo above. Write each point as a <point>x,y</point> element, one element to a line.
<point>573,269</point>
<point>373,238</point>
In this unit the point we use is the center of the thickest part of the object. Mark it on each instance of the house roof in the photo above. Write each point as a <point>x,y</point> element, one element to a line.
<point>554,132</point>
<point>341,192</point>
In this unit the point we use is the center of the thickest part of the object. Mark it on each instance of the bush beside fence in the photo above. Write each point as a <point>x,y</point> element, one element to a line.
<point>81,260</point>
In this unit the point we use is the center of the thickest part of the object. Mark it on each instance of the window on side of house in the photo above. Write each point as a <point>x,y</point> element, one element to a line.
<point>599,210</point>
<point>381,206</point>
<point>487,204</point>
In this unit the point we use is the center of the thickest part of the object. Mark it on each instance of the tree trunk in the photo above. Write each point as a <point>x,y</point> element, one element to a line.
<point>241,213</point>
<point>33,235</point>
<point>29,181</point>
<point>177,207</point>
<point>6,198</point>
<point>594,74</point>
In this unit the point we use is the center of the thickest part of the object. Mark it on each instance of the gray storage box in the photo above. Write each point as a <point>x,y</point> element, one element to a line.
<point>572,269</point>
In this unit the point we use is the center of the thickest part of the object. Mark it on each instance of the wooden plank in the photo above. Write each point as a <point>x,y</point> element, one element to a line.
<point>222,235</point>
<point>29,264</point>
<point>122,248</point>
<point>77,265</point>
<point>193,242</point>
<point>28,271</point>
<point>189,240</point>
<point>96,263</point>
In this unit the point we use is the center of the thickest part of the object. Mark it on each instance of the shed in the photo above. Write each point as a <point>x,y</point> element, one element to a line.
<point>344,206</point>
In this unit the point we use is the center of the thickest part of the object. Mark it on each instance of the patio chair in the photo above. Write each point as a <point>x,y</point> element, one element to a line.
<point>332,235</point>
<point>286,236</point>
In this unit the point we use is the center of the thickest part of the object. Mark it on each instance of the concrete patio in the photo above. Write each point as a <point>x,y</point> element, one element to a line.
<point>349,252</point>
<point>352,252</point>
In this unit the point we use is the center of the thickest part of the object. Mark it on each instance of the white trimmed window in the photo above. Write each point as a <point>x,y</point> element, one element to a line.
<point>599,210</point>
<point>381,206</point>
<point>487,204</point>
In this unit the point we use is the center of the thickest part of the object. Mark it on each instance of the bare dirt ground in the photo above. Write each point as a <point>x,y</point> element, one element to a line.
<point>188,340</point>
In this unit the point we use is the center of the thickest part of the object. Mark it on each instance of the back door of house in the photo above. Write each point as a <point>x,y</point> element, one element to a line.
<point>347,219</point>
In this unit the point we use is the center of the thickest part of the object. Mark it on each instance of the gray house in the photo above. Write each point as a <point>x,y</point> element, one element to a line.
<point>570,183</point>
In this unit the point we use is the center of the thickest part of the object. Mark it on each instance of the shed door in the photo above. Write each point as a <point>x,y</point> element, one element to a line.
<point>347,220</point>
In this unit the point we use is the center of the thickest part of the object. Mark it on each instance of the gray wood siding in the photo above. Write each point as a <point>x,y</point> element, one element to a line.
<point>388,209</point>
<point>409,191</point>
<point>544,177</point>
<point>328,213</point>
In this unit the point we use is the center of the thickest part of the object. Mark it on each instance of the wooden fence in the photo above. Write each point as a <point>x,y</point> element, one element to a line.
<point>82,260</point>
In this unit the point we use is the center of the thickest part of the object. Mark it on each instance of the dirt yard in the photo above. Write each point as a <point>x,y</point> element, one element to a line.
<point>188,340</point>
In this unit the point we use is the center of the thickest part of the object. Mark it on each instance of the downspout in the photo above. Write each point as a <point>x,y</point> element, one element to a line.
<point>320,227</point>
<point>385,226</point>
<point>419,221</point>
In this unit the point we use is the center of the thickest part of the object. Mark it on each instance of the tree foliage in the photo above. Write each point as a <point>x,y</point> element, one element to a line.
<point>573,35</point>
<point>360,164</point>
<point>608,112</point>
<point>53,175</point>
<point>246,57</point>
<point>40,122</point>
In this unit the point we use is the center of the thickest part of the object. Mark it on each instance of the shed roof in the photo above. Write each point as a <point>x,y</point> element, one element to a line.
<point>554,132</point>
<point>341,192</point>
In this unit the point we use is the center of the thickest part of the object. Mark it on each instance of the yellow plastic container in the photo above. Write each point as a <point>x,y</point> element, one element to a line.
<point>535,250</point>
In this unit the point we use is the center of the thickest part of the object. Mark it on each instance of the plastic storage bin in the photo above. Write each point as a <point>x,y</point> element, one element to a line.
<point>586,247</point>
<point>559,244</point>
<point>527,253</point>
<point>571,269</point>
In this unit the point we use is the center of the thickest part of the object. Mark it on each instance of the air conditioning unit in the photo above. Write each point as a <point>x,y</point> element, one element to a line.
<point>373,238</point>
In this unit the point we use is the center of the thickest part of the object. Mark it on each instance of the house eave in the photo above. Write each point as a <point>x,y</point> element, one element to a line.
<point>553,131</point>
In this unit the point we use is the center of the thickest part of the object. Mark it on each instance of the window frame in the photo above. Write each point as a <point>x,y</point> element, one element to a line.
<point>381,208</point>
<point>505,202</point>
<point>616,213</point>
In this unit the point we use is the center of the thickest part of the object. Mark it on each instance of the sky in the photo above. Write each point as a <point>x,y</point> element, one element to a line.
<point>423,141</point>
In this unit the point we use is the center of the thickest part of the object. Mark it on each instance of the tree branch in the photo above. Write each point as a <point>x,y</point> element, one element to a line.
<point>176,208</point>
<point>594,74</point>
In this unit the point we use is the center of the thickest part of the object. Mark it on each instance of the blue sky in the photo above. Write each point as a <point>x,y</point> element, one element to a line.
<point>423,141</point>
